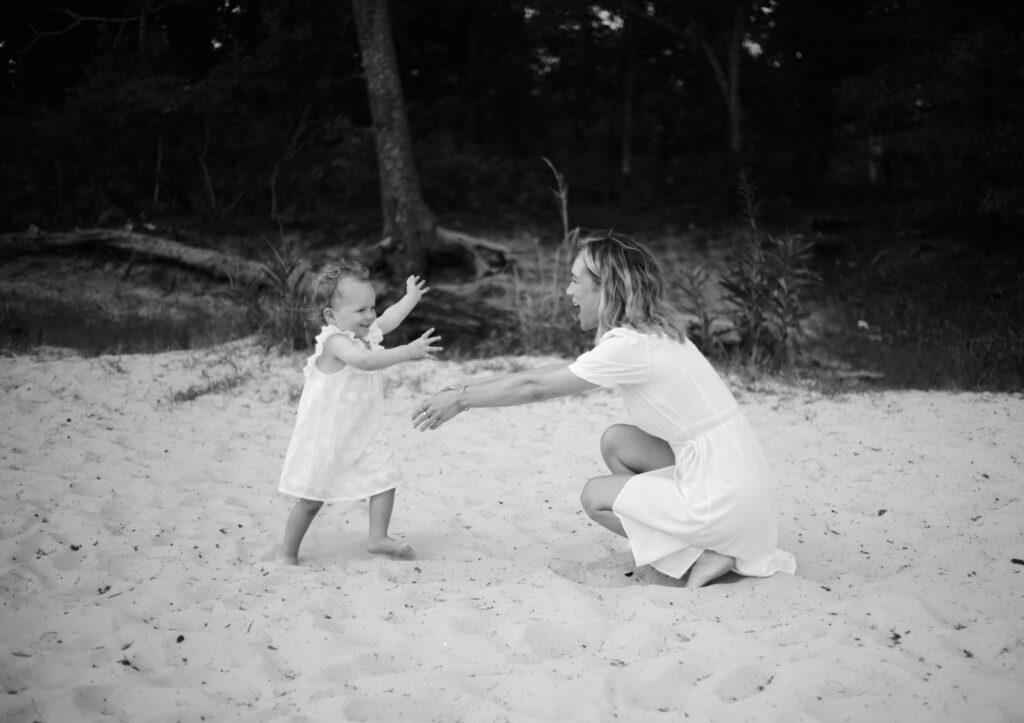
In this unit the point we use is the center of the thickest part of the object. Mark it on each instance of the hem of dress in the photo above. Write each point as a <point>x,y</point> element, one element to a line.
<point>678,562</point>
<point>675,564</point>
<point>296,495</point>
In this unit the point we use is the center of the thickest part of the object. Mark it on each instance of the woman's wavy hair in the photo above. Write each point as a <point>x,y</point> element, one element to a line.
<point>325,283</point>
<point>631,291</point>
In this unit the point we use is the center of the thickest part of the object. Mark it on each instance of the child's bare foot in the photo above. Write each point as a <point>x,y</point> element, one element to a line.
<point>389,546</point>
<point>709,566</point>
<point>286,559</point>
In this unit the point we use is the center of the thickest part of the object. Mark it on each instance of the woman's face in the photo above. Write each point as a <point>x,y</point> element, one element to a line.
<point>583,291</point>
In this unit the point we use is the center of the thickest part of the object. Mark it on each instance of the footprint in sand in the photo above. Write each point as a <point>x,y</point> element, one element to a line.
<point>270,562</point>
<point>616,570</point>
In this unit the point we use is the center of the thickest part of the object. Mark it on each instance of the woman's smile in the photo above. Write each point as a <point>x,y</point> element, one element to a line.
<point>583,292</point>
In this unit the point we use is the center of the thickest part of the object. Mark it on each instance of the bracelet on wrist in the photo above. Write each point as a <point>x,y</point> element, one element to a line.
<point>458,398</point>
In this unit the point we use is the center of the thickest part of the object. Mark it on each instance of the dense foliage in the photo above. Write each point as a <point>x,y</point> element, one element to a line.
<point>256,109</point>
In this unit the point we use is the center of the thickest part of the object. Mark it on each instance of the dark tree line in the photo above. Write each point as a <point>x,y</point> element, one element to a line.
<point>259,109</point>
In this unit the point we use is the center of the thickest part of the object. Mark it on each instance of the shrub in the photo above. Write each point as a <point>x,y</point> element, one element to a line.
<point>765,283</point>
<point>691,281</point>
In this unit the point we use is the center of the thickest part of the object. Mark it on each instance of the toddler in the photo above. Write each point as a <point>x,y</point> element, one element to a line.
<point>339,450</point>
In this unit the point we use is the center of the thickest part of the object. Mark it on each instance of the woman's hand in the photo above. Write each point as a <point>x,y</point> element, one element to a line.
<point>437,410</point>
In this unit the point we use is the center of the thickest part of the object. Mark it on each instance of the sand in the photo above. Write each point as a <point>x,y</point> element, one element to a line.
<point>140,516</point>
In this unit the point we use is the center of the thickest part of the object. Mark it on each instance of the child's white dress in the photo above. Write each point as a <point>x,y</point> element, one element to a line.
<point>339,450</point>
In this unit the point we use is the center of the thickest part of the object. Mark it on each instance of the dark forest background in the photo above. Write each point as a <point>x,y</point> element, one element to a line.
<point>867,121</point>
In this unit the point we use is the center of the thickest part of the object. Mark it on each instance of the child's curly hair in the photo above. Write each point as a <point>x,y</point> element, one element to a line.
<point>326,282</point>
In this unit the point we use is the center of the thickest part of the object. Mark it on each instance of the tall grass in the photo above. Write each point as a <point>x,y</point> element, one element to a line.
<point>13,326</point>
<point>541,308</point>
<point>276,304</point>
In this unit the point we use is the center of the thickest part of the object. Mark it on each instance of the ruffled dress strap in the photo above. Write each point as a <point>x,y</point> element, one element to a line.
<point>375,335</point>
<point>326,332</point>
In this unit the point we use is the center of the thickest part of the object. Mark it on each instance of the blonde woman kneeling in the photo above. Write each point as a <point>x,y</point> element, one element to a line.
<point>689,485</point>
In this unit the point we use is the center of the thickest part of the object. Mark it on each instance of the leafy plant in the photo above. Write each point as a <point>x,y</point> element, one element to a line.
<point>765,282</point>
<point>692,280</point>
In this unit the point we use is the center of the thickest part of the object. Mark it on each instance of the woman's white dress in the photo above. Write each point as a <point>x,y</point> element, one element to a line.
<point>719,495</point>
<point>339,450</point>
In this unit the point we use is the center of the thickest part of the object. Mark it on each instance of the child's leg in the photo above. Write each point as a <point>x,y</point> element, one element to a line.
<point>380,517</point>
<point>298,522</point>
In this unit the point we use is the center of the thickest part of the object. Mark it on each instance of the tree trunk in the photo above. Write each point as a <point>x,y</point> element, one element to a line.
<point>471,76</point>
<point>407,220</point>
<point>735,107</point>
<point>144,36</point>
<point>729,84</point>
<point>629,85</point>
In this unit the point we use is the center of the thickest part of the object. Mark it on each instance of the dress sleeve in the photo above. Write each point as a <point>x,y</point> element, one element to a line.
<point>620,358</point>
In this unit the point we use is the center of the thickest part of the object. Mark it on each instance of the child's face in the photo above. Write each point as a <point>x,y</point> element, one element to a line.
<point>352,306</point>
<point>584,293</point>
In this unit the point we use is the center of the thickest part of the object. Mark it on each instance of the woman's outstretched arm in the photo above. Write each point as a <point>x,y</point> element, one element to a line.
<point>503,391</point>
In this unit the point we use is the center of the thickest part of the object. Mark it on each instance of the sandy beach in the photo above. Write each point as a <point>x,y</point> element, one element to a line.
<point>140,516</point>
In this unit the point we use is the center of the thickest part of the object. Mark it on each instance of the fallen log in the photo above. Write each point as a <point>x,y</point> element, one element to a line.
<point>462,314</point>
<point>489,257</point>
<point>478,257</point>
<point>453,257</point>
<point>219,264</point>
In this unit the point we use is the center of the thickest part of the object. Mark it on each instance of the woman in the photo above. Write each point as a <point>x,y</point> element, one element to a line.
<point>689,484</point>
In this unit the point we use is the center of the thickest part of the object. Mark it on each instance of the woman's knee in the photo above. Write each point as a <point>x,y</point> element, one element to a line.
<point>627,449</point>
<point>614,438</point>
<point>593,497</point>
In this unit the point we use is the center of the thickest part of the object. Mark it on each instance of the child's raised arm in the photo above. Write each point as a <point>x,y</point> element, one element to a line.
<point>415,288</point>
<point>370,360</point>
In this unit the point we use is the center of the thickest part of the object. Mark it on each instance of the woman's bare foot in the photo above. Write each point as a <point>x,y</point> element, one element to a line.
<point>389,546</point>
<point>286,559</point>
<point>709,566</point>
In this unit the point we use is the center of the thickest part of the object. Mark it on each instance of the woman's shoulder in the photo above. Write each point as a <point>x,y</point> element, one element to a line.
<point>621,332</point>
<point>621,344</point>
<point>651,344</point>
<point>629,335</point>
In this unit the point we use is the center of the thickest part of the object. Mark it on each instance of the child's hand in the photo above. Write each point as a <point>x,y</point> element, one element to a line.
<point>422,348</point>
<point>415,288</point>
